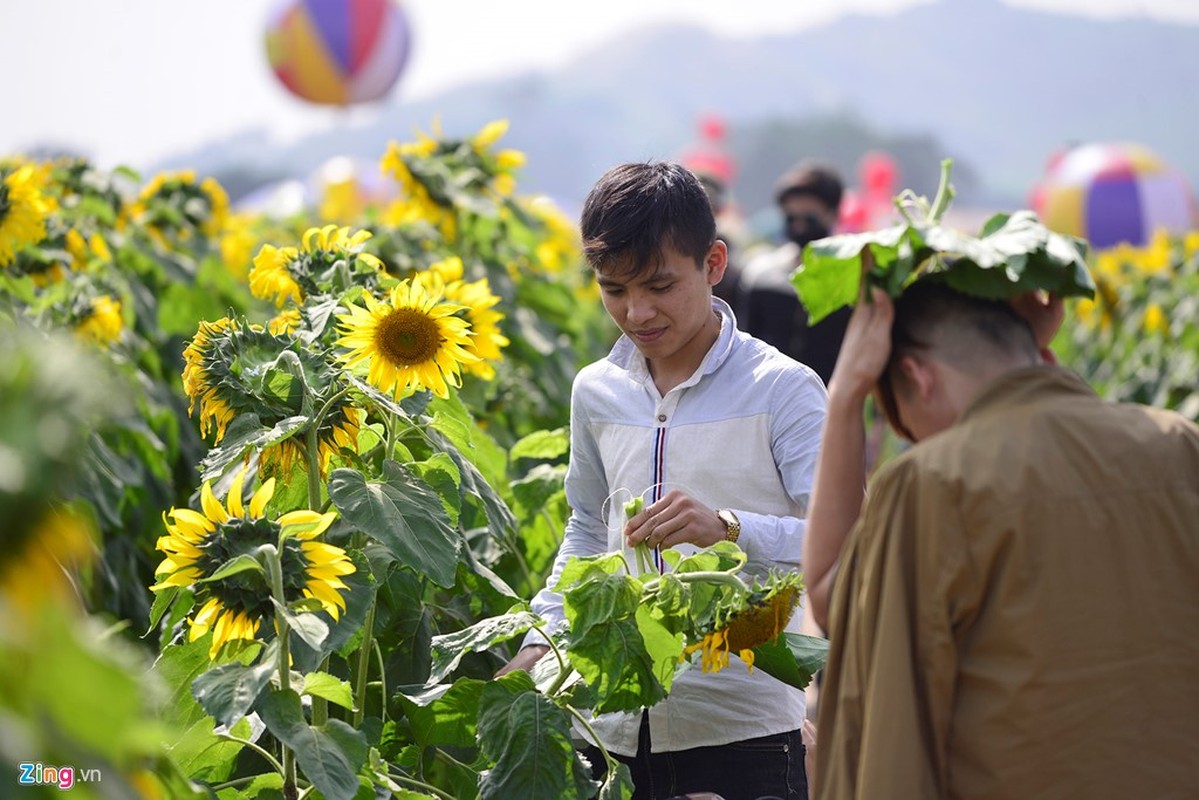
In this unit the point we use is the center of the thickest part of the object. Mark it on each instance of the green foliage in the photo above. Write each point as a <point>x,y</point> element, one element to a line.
<point>1137,341</point>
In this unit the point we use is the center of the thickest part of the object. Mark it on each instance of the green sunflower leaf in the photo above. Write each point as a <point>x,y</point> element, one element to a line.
<point>450,720</point>
<point>528,740</point>
<point>329,755</point>
<point>242,563</point>
<point>228,692</point>
<point>793,658</point>
<point>606,645</point>
<point>333,689</point>
<point>404,515</point>
<point>542,444</point>
<point>449,648</point>
<point>309,627</point>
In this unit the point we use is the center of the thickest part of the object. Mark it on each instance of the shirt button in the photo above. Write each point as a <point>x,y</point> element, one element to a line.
<point>661,418</point>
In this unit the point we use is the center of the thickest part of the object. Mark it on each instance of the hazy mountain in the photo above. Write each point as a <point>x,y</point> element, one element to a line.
<point>995,86</point>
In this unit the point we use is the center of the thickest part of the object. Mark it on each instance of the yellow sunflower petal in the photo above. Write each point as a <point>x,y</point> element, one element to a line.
<point>261,498</point>
<point>212,507</point>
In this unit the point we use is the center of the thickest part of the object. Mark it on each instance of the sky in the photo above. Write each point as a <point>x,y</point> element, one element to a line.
<point>135,81</point>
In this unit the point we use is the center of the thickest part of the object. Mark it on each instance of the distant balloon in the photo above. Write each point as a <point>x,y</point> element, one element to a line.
<point>1110,193</point>
<point>338,51</point>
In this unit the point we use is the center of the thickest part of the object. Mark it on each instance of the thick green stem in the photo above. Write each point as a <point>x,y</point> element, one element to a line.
<point>320,706</point>
<point>257,749</point>
<point>562,665</point>
<point>282,634</point>
<point>382,678</point>
<point>364,661</point>
<point>594,738</point>
<point>699,577</point>
<point>415,784</point>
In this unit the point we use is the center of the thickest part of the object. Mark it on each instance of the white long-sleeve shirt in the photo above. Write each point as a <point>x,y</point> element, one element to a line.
<point>743,432</point>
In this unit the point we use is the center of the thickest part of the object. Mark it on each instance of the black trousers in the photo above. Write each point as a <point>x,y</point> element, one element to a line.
<point>753,769</point>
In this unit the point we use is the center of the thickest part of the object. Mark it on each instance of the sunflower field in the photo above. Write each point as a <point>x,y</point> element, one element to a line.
<point>274,492</point>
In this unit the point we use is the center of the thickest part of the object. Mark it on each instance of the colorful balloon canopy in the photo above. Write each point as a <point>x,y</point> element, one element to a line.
<point>338,51</point>
<point>1110,193</point>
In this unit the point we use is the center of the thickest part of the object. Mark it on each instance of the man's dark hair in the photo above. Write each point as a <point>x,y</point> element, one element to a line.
<point>635,210</point>
<point>810,178</point>
<point>964,330</point>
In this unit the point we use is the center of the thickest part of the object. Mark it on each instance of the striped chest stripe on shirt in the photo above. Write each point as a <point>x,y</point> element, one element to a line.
<point>657,473</point>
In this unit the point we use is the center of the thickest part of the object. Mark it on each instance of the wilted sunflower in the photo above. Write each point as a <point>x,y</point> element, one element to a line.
<point>198,544</point>
<point>222,377</point>
<point>288,274</point>
<point>338,429</point>
<point>23,211</point>
<point>101,322</point>
<point>217,406</point>
<point>412,340</point>
<point>760,619</point>
<point>487,341</point>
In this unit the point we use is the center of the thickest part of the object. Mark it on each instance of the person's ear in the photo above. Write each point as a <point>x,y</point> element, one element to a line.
<point>716,261</point>
<point>919,374</point>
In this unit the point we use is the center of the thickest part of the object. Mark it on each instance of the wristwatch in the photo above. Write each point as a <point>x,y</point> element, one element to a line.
<point>731,523</point>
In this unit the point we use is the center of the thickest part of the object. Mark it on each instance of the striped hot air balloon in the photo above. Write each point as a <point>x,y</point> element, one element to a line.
<point>338,51</point>
<point>1110,193</point>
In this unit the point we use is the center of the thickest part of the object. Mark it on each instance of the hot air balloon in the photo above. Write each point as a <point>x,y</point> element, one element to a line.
<point>338,51</point>
<point>1110,193</point>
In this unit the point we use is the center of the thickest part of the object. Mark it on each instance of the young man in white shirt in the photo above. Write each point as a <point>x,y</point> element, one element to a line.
<point>721,432</point>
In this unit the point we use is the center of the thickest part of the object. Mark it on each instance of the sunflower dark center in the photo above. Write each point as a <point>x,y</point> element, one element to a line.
<point>408,336</point>
<point>249,590</point>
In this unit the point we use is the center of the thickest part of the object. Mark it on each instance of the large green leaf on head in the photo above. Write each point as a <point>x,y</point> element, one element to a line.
<point>1013,253</point>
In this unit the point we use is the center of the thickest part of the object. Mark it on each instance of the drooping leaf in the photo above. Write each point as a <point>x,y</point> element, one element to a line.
<point>1013,253</point>
<point>228,692</point>
<point>329,755</point>
<point>449,648</point>
<point>448,721</point>
<point>542,444</point>
<point>793,658</point>
<point>528,740</point>
<point>606,646</point>
<point>330,687</point>
<point>402,513</point>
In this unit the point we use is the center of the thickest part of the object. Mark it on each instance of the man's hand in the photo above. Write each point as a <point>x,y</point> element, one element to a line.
<point>525,659</point>
<point>865,348</point>
<point>1044,312</point>
<point>675,519</point>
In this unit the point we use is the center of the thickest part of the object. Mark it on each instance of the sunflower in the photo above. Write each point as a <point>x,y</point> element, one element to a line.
<point>216,405</point>
<point>102,322</point>
<point>174,205</point>
<point>198,544</point>
<point>416,204</point>
<point>484,323</point>
<point>23,212</point>
<point>412,340</point>
<point>760,619</point>
<point>337,430</point>
<point>284,274</point>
